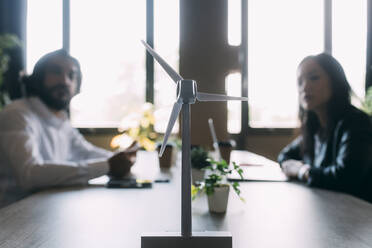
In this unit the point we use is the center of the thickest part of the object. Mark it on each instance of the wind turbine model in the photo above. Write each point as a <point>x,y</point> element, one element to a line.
<point>186,94</point>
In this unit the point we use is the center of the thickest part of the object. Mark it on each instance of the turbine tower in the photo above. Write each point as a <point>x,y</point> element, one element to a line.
<point>187,94</point>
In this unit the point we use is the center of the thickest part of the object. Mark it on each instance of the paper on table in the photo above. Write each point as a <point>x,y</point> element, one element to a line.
<point>256,167</point>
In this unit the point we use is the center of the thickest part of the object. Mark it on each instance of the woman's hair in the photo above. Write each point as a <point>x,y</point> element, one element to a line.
<point>34,83</point>
<point>339,101</point>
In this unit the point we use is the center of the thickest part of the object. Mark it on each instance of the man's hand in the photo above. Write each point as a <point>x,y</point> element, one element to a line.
<point>292,167</point>
<point>121,163</point>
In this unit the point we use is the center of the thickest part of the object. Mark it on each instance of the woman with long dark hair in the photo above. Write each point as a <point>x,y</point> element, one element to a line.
<point>334,150</point>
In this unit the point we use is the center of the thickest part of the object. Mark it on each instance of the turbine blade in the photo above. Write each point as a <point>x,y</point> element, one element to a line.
<point>206,97</point>
<point>175,112</point>
<point>172,73</point>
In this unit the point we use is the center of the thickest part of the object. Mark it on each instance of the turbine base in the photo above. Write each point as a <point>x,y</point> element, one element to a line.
<point>197,240</point>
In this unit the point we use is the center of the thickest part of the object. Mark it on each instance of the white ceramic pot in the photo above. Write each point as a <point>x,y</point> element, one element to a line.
<point>197,175</point>
<point>217,202</point>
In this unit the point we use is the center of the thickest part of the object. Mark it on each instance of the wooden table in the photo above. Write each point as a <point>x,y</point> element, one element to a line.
<point>276,214</point>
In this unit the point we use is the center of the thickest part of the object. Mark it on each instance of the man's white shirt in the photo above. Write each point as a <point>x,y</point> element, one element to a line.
<point>39,149</point>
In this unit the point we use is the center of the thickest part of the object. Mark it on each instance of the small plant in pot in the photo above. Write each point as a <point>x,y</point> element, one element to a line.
<point>216,185</point>
<point>199,161</point>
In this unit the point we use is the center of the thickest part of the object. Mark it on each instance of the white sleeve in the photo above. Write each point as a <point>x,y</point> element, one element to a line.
<point>19,146</point>
<point>82,149</point>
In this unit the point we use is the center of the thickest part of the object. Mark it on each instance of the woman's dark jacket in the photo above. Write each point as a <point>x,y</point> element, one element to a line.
<point>345,164</point>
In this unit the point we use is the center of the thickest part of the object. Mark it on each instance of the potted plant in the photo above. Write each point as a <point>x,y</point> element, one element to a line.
<point>137,127</point>
<point>216,185</point>
<point>199,160</point>
<point>7,41</point>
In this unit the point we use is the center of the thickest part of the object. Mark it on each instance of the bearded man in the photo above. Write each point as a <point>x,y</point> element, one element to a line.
<point>38,146</point>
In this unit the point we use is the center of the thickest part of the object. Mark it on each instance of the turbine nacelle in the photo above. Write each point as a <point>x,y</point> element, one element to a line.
<point>186,91</point>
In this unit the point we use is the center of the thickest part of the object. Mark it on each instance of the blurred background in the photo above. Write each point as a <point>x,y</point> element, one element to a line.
<point>237,47</point>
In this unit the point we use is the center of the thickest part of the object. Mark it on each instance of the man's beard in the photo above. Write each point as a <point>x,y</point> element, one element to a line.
<point>50,96</point>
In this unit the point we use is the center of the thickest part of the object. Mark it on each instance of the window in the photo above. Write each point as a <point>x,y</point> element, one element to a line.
<point>44,29</point>
<point>234,22</point>
<point>278,40</point>
<point>349,36</point>
<point>234,108</point>
<point>166,42</point>
<point>107,44</point>
<point>105,38</point>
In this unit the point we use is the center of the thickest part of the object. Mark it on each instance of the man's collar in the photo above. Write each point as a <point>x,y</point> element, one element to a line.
<point>45,113</point>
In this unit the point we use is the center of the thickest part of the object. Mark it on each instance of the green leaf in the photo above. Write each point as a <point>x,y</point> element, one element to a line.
<point>199,158</point>
<point>7,41</point>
